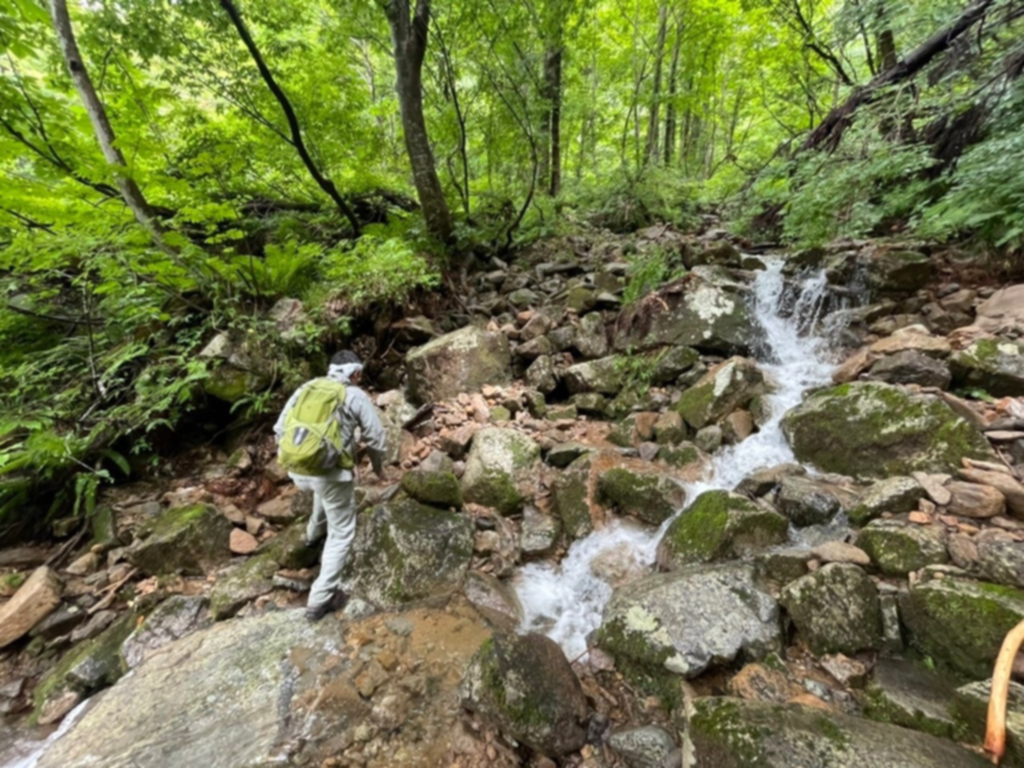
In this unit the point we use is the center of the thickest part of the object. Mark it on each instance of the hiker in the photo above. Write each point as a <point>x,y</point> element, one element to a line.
<point>316,437</point>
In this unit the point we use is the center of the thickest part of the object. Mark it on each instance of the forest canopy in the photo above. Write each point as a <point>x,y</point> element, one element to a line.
<point>172,169</point>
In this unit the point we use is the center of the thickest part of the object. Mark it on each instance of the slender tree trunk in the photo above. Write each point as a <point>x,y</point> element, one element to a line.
<point>887,49</point>
<point>653,142</point>
<point>130,192</point>
<point>409,35</point>
<point>293,121</point>
<point>670,106</point>
<point>553,84</point>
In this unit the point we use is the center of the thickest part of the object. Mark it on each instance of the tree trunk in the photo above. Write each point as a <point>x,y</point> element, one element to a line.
<point>293,121</point>
<point>653,142</point>
<point>553,86</point>
<point>101,126</point>
<point>409,35</point>
<point>830,130</point>
<point>670,106</point>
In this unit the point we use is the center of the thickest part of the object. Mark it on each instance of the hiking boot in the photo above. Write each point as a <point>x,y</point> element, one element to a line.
<point>314,613</point>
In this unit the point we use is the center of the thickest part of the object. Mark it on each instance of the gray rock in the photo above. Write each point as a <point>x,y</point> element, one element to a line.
<point>899,271</point>
<point>652,498</point>
<point>174,618</point>
<point>564,454</point>
<point>526,687</point>
<point>960,622</point>
<point>405,551</point>
<point>720,525</point>
<point>241,585</point>
<point>495,599</point>
<point>648,746</point>
<point>764,481</point>
<point>908,694</point>
<point>692,619</point>
<point>604,376</point>
<point>912,367</point>
<point>991,555</point>
<point>869,429</point>
<point>570,498</point>
<point>806,501</point>
<point>897,546</point>
<point>462,361</point>
<point>970,709</point>
<point>895,495</point>
<point>995,365</point>
<point>541,375</point>
<point>500,470</point>
<point>192,540</point>
<point>835,609</point>
<point>735,733</point>
<point>726,387</point>
<point>539,534</point>
<point>591,340</point>
<point>709,439</point>
<point>709,312</point>
<point>439,489</point>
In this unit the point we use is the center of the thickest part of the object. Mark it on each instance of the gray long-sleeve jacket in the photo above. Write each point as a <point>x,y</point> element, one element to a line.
<point>356,412</point>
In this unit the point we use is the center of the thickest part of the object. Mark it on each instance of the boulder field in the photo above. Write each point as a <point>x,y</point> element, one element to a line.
<point>839,604</point>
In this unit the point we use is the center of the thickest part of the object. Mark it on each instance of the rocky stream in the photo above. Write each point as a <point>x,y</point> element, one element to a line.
<point>770,514</point>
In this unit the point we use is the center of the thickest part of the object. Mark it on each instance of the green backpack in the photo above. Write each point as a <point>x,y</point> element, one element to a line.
<point>311,443</point>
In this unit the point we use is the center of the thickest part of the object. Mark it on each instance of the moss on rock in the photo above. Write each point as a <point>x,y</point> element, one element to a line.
<point>440,489</point>
<point>648,497</point>
<point>191,539</point>
<point>836,609</point>
<point>720,525</point>
<point>870,429</point>
<point>897,547</point>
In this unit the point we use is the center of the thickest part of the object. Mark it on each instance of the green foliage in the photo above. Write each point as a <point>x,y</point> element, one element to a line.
<point>649,270</point>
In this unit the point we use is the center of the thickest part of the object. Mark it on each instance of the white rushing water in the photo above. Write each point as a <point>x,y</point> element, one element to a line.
<point>565,600</point>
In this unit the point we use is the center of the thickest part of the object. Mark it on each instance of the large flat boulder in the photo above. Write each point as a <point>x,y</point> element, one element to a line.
<point>875,430</point>
<point>706,310</point>
<point>277,690</point>
<point>836,609</point>
<point>405,551</point>
<point>736,733</point>
<point>462,361</point>
<point>689,620</point>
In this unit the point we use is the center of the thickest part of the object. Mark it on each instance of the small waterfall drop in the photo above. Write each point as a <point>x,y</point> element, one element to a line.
<point>565,600</point>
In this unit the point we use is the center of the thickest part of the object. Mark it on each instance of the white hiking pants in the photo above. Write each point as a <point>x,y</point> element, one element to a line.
<point>334,511</point>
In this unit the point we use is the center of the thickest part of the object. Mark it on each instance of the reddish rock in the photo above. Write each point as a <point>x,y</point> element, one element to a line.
<point>242,542</point>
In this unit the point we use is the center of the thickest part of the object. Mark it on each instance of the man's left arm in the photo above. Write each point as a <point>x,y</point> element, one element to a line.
<point>372,430</point>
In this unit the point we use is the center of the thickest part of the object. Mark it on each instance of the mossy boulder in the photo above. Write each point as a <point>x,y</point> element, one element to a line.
<point>969,707</point>
<point>707,311</point>
<point>893,495</point>
<point>242,585</point>
<point>439,489</point>
<point>736,733</point>
<point>91,666</point>
<point>190,540</point>
<point>501,469</point>
<point>909,694</point>
<point>288,548</point>
<point>682,455</point>
<point>720,525</point>
<point>689,620</point>
<point>897,547</point>
<point>652,498</point>
<point>570,498</point>
<point>992,555</point>
<point>525,686</point>
<point>873,430</point>
<point>723,389</point>
<point>670,363</point>
<point>231,384</point>
<point>994,365</point>
<point>899,271</point>
<point>604,376</point>
<point>806,501</point>
<point>405,551</point>
<point>960,622</point>
<point>836,609</point>
<point>462,361</point>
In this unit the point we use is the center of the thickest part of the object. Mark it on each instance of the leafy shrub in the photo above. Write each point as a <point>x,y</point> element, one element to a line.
<point>648,271</point>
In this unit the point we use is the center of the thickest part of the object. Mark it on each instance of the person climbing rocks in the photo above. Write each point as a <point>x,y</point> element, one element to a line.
<point>317,442</point>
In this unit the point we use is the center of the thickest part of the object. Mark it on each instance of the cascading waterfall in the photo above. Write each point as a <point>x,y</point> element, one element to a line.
<point>565,600</point>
